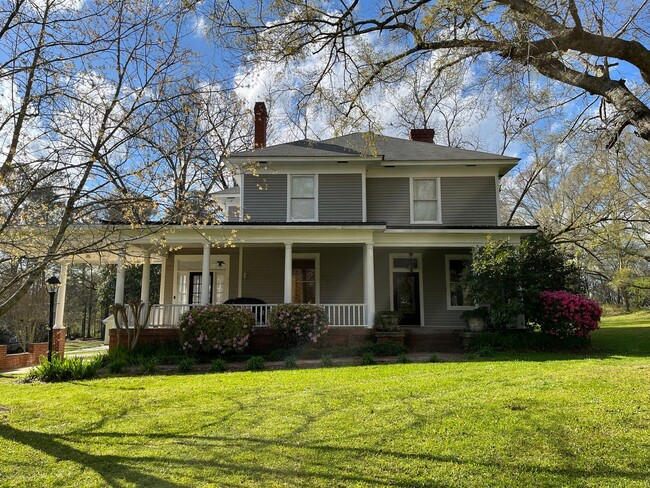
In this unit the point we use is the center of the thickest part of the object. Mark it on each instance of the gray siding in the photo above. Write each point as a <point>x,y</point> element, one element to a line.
<point>469,200</point>
<point>434,292</point>
<point>264,268</point>
<point>265,198</point>
<point>341,273</point>
<point>340,198</point>
<point>388,200</point>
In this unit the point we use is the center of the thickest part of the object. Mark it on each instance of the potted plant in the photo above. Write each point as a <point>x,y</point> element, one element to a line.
<point>475,318</point>
<point>388,320</point>
<point>387,327</point>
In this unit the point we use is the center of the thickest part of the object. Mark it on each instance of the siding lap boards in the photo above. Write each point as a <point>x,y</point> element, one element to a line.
<point>268,204</point>
<point>340,198</point>
<point>469,200</point>
<point>388,200</point>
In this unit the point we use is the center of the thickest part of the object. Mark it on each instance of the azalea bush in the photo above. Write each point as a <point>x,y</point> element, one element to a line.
<point>563,314</point>
<point>298,323</point>
<point>220,328</point>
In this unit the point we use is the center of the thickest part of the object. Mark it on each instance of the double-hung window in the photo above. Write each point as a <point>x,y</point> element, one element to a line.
<point>302,197</point>
<point>456,293</point>
<point>424,201</point>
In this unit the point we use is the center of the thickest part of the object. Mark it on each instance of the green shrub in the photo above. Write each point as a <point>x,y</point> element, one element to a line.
<point>486,351</point>
<point>148,365</point>
<point>290,362</point>
<point>218,366</point>
<point>117,366</point>
<point>403,358</point>
<point>255,363</point>
<point>368,359</point>
<point>186,365</point>
<point>326,361</point>
<point>524,340</point>
<point>434,358</point>
<point>221,328</point>
<point>298,323</point>
<point>67,369</point>
<point>384,349</point>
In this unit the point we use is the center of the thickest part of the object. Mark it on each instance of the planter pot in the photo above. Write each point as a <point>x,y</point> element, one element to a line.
<point>475,324</point>
<point>390,321</point>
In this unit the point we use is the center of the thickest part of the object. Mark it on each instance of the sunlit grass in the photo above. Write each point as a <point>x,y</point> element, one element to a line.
<point>548,422</point>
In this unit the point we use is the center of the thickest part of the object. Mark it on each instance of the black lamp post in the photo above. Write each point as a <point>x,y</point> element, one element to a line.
<point>52,284</point>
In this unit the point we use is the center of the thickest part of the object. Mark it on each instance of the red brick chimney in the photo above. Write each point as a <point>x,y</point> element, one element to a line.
<point>422,135</point>
<point>261,121</point>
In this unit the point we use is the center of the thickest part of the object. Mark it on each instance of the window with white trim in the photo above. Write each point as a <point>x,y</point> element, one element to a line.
<point>456,266</point>
<point>302,197</point>
<point>424,200</point>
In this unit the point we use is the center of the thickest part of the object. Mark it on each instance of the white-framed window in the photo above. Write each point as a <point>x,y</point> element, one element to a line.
<point>303,198</point>
<point>425,201</point>
<point>455,266</point>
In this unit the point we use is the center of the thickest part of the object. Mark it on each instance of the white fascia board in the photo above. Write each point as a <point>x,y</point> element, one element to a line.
<point>448,239</point>
<point>300,160</point>
<point>432,171</point>
<point>280,168</point>
<point>248,236</point>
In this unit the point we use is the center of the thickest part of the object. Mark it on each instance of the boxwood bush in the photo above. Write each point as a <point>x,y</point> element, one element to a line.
<point>298,323</point>
<point>215,328</point>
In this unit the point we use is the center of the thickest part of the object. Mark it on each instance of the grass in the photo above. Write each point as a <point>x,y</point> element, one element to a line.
<point>492,422</point>
<point>76,344</point>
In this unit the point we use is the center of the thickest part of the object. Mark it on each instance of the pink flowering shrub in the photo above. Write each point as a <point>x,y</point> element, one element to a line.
<point>220,328</point>
<point>564,314</point>
<point>298,323</point>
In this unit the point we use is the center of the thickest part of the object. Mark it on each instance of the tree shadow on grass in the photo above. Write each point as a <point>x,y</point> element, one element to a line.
<point>316,452</point>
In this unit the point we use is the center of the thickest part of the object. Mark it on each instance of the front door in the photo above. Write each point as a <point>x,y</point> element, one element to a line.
<point>406,297</point>
<point>196,286</point>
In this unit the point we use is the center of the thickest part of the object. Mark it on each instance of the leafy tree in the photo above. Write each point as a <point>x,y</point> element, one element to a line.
<point>565,52</point>
<point>509,278</point>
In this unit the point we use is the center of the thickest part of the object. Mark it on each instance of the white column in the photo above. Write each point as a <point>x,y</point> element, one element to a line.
<point>205,275</point>
<point>288,257</point>
<point>240,284</point>
<point>60,299</point>
<point>369,282</point>
<point>119,279</point>
<point>146,278</point>
<point>163,274</point>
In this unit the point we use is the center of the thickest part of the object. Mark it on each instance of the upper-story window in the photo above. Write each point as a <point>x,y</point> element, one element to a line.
<point>425,207</point>
<point>302,197</point>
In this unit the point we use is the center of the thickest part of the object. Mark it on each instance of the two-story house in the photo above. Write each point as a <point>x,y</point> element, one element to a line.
<point>361,224</point>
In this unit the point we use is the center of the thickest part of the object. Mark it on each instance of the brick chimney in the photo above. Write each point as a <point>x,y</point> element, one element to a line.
<point>422,135</point>
<point>261,121</point>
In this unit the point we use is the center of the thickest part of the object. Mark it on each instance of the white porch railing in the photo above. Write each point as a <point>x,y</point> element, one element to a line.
<point>339,315</point>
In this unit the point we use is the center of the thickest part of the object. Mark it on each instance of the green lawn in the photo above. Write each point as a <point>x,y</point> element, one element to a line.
<point>497,422</point>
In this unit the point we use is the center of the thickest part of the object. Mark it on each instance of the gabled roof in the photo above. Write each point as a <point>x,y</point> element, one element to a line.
<point>369,145</point>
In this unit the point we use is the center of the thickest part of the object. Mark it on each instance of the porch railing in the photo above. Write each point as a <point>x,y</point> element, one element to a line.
<point>339,315</point>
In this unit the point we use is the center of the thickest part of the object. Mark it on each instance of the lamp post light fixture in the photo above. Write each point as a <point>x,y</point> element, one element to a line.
<point>52,284</point>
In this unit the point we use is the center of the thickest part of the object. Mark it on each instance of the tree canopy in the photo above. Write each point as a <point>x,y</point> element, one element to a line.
<point>577,52</point>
